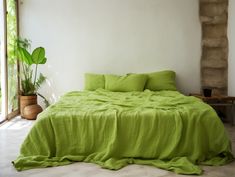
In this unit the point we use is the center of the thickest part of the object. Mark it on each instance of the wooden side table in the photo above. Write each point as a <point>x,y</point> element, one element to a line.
<point>224,101</point>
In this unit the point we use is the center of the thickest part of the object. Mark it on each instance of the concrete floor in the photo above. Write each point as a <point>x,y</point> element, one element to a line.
<point>12,134</point>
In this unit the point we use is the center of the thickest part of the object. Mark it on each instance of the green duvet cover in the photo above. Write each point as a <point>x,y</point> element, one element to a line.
<point>164,129</point>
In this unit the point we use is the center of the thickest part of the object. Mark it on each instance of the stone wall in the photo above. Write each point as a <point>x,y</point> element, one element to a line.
<point>214,60</point>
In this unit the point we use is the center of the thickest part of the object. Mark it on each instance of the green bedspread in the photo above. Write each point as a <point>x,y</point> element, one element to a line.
<point>164,129</point>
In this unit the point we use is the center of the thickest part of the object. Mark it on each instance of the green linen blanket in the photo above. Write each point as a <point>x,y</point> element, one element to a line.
<point>164,129</point>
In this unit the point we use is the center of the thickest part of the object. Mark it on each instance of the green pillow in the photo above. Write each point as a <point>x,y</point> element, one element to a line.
<point>94,81</point>
<point>162,80</point>
<point>127,83</point>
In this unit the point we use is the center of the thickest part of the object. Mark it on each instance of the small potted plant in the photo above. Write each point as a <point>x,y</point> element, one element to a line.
<point>29,79</point>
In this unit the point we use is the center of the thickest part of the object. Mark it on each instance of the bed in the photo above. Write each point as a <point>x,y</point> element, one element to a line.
<point>164,129</point>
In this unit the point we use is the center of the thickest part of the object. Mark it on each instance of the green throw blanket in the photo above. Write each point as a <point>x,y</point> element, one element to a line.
<point>164,129</point>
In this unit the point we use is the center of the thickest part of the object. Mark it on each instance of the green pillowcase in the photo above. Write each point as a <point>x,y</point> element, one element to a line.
<point>162,80</point>
<point>94,81</point>
<point>127,83</point>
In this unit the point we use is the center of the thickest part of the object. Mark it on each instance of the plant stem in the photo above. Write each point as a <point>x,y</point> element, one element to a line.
<point>24,71</point>
<point>35,75</point>
<point>25,76</point>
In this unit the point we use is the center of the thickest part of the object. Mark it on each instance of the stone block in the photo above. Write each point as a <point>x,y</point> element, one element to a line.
<point>215,78</point>
<point>213,9</point>
<point>216,54</point>
<point>213,1</point>
<point>215,42</point>
<point>222,19</point>
<point>214,63</point>
<point>214,31</point>
<point>211,60</point>
<point>219,91</point>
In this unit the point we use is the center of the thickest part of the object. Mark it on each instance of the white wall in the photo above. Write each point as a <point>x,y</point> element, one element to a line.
<point>231,37</point>
<point>114,36</point>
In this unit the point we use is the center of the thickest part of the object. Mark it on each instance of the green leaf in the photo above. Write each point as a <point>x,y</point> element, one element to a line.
<point>27,87</point>
<point>44,61</point>
<point>24,56</point>
<point>38,56</point>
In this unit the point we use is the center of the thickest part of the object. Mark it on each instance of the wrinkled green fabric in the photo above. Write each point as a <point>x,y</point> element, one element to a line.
<point>113,129</point>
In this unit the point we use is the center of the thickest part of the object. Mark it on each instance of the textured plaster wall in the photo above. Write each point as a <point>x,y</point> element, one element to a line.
<point>113,36</point>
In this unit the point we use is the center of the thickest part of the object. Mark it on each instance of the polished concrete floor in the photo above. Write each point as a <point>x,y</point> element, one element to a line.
<point>12,134</point>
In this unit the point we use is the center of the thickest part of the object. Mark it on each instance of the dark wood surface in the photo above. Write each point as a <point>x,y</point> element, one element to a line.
<point>223,105</point>
<point>214,98</point>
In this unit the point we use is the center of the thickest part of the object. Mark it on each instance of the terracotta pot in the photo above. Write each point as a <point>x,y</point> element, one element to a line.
<point>26,101</point>
<point>31,111</point>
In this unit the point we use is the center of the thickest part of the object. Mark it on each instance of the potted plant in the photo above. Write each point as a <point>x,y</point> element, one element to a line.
<point>29,79</point>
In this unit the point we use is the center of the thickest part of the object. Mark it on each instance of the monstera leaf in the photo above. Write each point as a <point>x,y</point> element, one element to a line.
<point>38,56</point>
